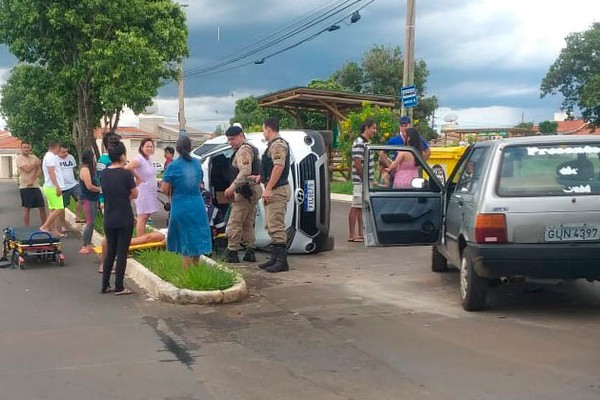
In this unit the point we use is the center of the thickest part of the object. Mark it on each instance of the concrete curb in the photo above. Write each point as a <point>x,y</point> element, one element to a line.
<point>346,198</point>
<point>159,289</point>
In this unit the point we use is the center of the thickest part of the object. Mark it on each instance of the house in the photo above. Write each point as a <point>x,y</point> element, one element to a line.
<point>10,147</point>
<point>167,135</point>
<point>131,137</point>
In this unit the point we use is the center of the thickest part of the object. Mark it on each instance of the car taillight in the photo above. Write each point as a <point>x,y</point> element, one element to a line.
<point>490,228</point>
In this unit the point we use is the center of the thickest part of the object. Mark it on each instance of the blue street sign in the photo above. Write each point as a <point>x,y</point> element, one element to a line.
<point>409,96</point>
<point>408,102</point>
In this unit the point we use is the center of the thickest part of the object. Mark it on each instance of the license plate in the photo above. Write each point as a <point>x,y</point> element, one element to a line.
<point>572,232</point>
<point>309,199</point>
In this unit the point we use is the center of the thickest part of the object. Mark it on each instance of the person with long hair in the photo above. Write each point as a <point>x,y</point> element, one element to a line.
<point>406,166</point>
<point>145,177</point>
<point>119,189</point>
<point>189,229</point>
<point>90,195</point>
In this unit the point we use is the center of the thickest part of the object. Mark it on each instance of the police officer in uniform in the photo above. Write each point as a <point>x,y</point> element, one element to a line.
<point>245,194</point>
<point>275,167</point>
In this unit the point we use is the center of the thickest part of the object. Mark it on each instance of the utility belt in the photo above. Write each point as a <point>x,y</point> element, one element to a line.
<point>278,183</point>
<point>246,190</point>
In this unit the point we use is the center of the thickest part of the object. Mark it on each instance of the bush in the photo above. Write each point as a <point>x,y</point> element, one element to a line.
<point>387,126</point>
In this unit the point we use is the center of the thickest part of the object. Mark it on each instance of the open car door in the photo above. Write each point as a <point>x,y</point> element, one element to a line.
<point>403,205</point>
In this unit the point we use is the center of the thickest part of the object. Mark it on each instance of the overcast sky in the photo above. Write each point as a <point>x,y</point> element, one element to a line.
<point>486,58</point>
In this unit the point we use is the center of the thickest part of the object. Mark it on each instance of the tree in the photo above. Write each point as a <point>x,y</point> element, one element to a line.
<point>548,127</point>
<point>105,54</point>
<point>576,75</point>
<point>248,113</point>
<point>350,77</point>
<point>35,107</point>
<point>381,72</point>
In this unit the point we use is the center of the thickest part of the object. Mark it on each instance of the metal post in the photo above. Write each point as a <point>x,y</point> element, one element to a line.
<point>181,113</point>
<point>408,76</point>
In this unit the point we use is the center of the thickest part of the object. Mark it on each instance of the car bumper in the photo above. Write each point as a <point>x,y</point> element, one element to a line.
<point>550,261</point>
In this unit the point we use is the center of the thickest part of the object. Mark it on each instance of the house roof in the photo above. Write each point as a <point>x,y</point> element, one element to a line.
<point>8,141</point>
<point>572,127</point>
<point>127,132</point>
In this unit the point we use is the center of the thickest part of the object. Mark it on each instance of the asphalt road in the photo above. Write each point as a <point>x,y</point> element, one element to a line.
<point>353,323</point>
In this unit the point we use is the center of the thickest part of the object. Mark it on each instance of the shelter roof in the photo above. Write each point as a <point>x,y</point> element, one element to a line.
<point>336,102</point>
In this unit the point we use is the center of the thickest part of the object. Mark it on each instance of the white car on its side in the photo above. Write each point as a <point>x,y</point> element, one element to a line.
<point>308,210</point>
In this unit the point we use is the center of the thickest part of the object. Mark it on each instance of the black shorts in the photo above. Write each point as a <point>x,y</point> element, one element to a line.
<point>32,198</point>
<point>74,192</point>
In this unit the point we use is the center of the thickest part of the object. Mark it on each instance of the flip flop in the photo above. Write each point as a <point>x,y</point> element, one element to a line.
<point>124,292</point>
<point>84,250</point>
<point>357,240</point>
<point>107,290</point>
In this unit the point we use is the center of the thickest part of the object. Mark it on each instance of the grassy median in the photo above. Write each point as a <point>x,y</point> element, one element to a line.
<point>204,276</point>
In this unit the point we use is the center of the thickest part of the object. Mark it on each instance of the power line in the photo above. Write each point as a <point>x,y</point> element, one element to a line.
<point>281,31</point>
<point>226,65</point>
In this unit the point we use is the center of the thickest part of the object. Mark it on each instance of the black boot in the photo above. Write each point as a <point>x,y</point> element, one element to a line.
<point>270,261</point>
<point>232,256</point>
<point>281,263</point>
<point>249,255</point>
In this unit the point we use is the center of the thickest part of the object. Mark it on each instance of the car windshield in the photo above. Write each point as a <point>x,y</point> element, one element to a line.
<point>550,170</point>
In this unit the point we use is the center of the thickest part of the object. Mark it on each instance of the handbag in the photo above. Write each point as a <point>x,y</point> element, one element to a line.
<point>167,204</point>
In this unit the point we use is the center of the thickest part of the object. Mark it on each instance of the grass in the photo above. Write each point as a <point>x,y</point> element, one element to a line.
<point>98,221</point>
<point>341,187</point>
<point>167,265</point>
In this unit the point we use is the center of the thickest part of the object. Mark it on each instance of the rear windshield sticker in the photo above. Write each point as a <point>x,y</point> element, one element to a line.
<point>559,150</point>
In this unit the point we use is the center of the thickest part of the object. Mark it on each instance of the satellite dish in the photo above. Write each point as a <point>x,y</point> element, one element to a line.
<point>151,109</point>
<point>451,117</point>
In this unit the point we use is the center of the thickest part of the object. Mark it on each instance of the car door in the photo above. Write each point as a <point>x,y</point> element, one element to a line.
<point>401,207</point>
<point>462,193</point>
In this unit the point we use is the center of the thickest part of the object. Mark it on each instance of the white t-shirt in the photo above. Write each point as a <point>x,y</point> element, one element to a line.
<point>52,160</point>
<point>67,166</point>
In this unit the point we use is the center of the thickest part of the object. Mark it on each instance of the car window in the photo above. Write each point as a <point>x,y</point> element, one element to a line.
<point>550,170</point>
<point>208,148</point>
<point>468,177</point>
<point>394,171</point>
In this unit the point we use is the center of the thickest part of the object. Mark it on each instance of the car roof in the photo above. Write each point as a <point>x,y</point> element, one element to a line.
<point>540,140</point>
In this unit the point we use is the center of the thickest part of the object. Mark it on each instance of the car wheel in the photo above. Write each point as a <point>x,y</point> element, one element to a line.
<point>328,244</point>
<point>438,261</point>
<point>473,289</point>
<point>14,260</point>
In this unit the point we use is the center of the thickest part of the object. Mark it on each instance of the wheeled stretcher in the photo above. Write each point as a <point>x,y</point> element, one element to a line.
<point>22,243</point>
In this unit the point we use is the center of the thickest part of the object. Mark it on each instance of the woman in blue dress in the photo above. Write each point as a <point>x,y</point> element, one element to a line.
<point>189,230</point>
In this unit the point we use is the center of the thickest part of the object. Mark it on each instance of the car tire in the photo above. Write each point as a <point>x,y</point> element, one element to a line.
<point>328,244</point>
<point>473,288</point>
<point>438,261</point>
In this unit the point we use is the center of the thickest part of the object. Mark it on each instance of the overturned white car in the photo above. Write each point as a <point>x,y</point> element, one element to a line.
<point>308,211</point>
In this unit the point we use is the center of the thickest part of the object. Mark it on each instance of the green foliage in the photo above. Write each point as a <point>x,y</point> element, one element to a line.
<point>381,72</point>
<point>350,77</point>
<point>387,126</point>
<point>251,116</point>
<point>341,187</point>
<point>35,107</point>
<point>548,127</point>
<point>576,75</point>
<point>104,54</point>
<point>167,265</point>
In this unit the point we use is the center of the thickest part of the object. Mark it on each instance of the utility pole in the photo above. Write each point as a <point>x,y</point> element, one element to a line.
<point>408,75</point>
<point>181,113</point>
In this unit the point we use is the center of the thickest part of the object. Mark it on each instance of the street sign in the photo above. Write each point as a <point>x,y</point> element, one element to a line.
<point>409,96</point>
